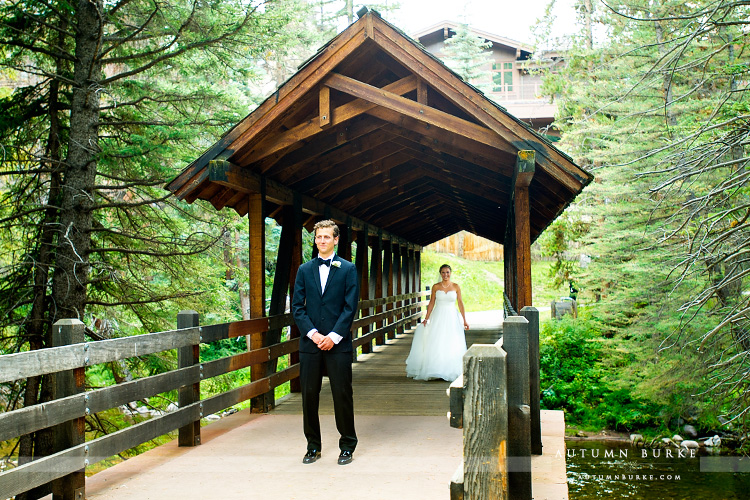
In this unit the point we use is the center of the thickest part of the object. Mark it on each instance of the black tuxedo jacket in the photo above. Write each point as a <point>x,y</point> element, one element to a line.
<point>332,311</point>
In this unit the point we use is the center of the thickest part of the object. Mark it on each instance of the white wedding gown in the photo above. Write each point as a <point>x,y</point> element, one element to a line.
<point>437,349</point>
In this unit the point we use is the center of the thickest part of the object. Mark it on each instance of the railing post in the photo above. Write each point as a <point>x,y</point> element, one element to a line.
<point>485,421</point>
<point>189,435</point>
<point>532,315</point>
<point>516,344</point>
<point>71,433</point>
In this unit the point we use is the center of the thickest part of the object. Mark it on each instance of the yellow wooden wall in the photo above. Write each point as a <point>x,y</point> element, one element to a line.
<point>469,246</point>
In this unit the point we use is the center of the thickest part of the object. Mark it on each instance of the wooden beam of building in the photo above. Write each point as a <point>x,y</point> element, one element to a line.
<point>521,180</point>
<point>421,112</point>
<point>324,106</point>
<point>310,128</point>
<point>225,173</point>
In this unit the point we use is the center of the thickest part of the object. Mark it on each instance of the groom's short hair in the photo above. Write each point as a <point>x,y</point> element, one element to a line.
<point>326,223</point>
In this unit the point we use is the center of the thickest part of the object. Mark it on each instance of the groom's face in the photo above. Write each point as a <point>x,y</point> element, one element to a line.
<point>325,241</point>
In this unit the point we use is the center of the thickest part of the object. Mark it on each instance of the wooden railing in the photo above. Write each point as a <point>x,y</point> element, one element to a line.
<point>496,403</point>
<point>70,357</point>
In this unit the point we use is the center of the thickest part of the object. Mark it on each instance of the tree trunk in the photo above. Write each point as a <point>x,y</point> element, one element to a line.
<point>74,241</point>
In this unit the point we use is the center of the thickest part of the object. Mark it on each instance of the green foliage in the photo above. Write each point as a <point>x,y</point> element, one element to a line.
<point>657,112</point>
<point>573,366</point>
<point>465,53</point>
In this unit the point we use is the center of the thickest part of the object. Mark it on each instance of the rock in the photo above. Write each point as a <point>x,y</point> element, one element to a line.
<point>212,418</point>
<point>584,260</point>
<point>690,444</point>
<point>689,431</point>
<point>677,438</point>
<point>230,411</point>
<point>668,442</point>
<point>172,408</point>
<point>143,410</point>
<point>581,434</point>
<point>726,423</point>
<point>713,442</point>
<point>636,438</point>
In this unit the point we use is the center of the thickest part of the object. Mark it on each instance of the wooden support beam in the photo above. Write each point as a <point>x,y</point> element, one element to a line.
<point>422,92</point>
<point>485,423</point>
<point>431,116</point>
<point>376,279</point>
<point>324,106</point>
<point>516,344</point>
<point>257,282</point>
<point>296,261</point>
<point>522,179</point>
<point>285,259</point>
<point>345,240</point>
<point>73,433</point>
<point>398,281</point>
<point>532,316</point>
<point>189,435</point>
<point>388,281</point>
<point>364,282</point>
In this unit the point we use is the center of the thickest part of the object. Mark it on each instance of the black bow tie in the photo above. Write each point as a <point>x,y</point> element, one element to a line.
<point>326,262</point>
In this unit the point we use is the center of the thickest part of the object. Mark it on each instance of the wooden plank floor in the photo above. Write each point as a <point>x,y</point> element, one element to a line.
<point>381,386</point>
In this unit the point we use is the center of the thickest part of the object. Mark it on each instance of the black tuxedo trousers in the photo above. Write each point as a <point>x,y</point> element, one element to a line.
<point>330,311</point>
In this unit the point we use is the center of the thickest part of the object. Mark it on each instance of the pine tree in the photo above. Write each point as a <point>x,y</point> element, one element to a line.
<point>658,112</point>
<point>117,97</point>
<point>465,53</point>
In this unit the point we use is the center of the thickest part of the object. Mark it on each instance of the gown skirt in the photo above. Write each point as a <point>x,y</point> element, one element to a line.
<point>437,349</point>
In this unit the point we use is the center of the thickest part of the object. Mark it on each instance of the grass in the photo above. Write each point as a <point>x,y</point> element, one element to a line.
<point>482,282</point>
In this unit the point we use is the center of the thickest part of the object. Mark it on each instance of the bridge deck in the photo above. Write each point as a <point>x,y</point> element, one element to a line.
<point>407,449</point>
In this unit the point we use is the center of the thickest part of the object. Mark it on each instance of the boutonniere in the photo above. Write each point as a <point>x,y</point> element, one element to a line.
<point>336,263</point>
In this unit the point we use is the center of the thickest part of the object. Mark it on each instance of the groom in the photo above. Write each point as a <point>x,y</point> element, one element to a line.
<point>324,304</point>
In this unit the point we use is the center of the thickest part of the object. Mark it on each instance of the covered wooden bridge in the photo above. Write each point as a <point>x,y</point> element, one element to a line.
<point>372,132</point>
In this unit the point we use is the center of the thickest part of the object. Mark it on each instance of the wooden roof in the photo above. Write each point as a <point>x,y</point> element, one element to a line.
<point>375,128</point>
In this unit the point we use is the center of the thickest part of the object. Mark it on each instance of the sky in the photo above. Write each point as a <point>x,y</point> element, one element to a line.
<point>510,19</point>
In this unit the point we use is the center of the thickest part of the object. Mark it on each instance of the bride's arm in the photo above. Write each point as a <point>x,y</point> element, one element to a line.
<point>431,304</point>
<point>461,305</point>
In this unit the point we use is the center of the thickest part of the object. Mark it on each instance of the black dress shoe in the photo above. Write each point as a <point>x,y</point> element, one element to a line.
<point>345,457</point>
<point>311,456</point>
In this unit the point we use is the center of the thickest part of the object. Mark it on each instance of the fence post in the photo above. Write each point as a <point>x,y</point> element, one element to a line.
<point>189,435</point>
<point>516,344</point>
<point>485,421</point>
<point>532,315</point>
<point>71,433</point>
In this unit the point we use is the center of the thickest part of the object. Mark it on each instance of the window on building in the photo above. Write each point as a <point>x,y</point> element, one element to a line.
<point>502,77</point>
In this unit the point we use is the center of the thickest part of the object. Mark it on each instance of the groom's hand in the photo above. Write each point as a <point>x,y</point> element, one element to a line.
<point>326,344</point>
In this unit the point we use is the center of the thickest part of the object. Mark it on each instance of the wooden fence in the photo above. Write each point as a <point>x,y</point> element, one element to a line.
<point>496,403</point>
<point>70,357</point>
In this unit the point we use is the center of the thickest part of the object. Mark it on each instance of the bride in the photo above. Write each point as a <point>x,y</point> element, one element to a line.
<point>439,343</point>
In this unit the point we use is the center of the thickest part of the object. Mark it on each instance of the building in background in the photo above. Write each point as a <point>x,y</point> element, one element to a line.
<point>516,77</point>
